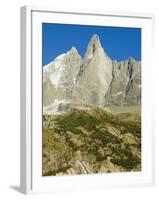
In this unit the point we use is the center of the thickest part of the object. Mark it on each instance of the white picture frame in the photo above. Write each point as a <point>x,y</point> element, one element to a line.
<point>31,100</point>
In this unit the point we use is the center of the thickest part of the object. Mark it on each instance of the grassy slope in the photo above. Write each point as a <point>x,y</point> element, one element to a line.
<point>105,142</point>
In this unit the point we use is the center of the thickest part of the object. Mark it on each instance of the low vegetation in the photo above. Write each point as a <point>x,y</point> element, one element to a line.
<point>91,141</point>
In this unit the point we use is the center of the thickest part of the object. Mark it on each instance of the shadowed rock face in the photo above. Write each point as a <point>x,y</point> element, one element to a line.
<point>125,88</point>
<point>95,80</point>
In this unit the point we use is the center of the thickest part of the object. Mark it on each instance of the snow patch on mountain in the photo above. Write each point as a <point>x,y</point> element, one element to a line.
<point>56,61</point>
<point>56,75</point>
<point>95,80</point>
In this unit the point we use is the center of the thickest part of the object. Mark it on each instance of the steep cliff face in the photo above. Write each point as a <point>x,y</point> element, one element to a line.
<point>59,78</point>
<point>95,74</point>
<point>94,81</point>
<point>125,87</point>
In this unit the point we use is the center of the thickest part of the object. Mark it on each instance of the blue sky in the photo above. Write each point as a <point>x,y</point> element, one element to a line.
<point>118,42</point>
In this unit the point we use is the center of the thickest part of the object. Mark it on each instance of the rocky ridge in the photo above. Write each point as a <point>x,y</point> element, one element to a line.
<point>95,80</point>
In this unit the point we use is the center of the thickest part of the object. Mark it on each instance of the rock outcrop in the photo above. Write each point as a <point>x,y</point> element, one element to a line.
<point>95,80</point>
<point>125,87</point>
<point>59,78</point>
<point>95,75</point>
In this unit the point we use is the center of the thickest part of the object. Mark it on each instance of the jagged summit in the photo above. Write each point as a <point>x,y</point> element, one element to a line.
<point>94,80</point>
<point>73,50</point>
<point>95,41</point>
<point>73,55</point>
<point>93,45</point>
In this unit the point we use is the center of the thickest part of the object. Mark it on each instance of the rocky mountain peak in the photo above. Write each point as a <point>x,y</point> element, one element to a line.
<point>93,45</point>
<point>95,41</point>
<point>73,50</point>
<point>73,55</point>
<point>131,60</point>
<point>95,80</point>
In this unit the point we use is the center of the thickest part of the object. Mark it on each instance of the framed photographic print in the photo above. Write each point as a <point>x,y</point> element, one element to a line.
<point>86,100</point>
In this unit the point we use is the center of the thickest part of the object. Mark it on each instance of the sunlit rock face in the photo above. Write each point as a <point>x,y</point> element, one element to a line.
<point>95,74</point>
<point>59,78</point>
<point>95,80</point>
